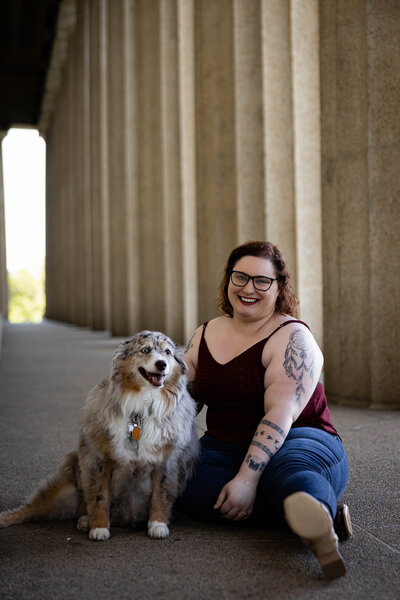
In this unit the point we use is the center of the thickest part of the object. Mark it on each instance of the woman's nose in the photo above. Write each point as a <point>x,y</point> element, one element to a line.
<point>249,287</point>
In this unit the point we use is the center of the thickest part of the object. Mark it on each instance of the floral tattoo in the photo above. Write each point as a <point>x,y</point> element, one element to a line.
<point>299,359</point>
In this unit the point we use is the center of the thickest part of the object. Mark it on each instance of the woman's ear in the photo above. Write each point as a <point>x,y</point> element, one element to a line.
<point>179,357</point>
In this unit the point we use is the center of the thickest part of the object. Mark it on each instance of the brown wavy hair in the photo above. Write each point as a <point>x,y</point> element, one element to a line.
<point>286,303</point>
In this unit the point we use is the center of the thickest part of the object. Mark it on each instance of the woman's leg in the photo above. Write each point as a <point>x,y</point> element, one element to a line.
<point>311,461</point>
<point>303,482</point>
<point>219,462</point>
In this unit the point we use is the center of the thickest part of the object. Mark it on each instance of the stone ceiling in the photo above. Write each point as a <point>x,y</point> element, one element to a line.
<point>27,30</point>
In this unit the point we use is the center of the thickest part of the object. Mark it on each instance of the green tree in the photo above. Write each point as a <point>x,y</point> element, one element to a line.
<point>26,301</point>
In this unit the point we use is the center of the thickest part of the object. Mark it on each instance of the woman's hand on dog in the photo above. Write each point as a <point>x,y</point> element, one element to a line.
<point>236,499</point>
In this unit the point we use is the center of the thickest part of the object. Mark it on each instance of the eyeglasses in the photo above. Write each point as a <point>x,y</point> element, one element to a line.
<point>260,282</point>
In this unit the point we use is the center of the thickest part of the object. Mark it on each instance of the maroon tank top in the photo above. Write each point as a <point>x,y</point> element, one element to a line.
<point>234,394</point>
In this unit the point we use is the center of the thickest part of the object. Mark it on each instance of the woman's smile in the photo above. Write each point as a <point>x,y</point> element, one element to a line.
<point>247,300</point>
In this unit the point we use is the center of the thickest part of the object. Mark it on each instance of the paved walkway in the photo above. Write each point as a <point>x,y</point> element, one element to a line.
<point>46,371</point>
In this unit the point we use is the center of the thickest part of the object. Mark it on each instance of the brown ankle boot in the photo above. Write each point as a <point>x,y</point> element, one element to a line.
<point>311,520</point>
<point>342,522</point>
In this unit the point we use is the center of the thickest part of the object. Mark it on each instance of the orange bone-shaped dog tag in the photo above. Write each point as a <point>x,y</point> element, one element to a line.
<point>136,433</point>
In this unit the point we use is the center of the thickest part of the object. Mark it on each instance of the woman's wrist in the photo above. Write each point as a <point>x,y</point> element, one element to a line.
<point>247,477</point>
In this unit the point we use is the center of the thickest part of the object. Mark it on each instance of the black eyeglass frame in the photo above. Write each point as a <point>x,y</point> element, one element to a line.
<point>253,278</point>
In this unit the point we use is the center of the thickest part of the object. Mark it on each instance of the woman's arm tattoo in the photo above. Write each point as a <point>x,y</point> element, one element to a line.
<point>299,359</point>
<point>189,344</point>
<point>273,426</point>
<point>255,463</point>
<point>263,448</point>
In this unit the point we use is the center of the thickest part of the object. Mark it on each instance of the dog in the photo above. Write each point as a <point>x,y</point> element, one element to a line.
<point>137,446</point>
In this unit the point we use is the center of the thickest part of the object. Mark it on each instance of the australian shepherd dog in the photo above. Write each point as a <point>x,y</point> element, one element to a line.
<point>137,446</point>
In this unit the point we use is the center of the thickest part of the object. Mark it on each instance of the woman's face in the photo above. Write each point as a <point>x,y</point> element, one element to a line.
<point>247,301</point>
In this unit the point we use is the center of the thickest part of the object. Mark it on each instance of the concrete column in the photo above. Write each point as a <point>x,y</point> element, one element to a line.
<point>307,149</point>
<point>187,133</point>
<point>81,199</point>
<point>3,260</point>
<point>383,47</point>
<point>250,220</point>
<point>57,127</point>
<point>117,209</point>
<point>151,289</point>
<point>215,142</point>
<point>280,224</point>
<point>344,91</point>
<point>99,166</point>
<point>360,140</point>
<point>84,32</point>
<point>64,180</point>
<point>70,178</point>
<point>170,171</point>
<point>135,298</point>
<point>53,229</point>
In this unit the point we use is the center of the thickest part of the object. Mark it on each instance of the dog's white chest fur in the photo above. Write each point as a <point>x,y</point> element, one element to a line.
<point>143,411</point>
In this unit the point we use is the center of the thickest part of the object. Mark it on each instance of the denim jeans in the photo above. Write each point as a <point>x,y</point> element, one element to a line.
<point>310,460</point>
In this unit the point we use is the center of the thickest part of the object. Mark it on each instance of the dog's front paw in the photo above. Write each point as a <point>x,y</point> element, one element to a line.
<point>99,534</point>
<point>83,523</point>
<point>157,530</point>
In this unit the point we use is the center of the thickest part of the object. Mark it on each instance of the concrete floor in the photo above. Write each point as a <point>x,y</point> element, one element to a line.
<point>46,371</point>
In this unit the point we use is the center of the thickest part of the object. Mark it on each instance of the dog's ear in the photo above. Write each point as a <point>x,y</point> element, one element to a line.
<point>179,357</point>
<point>122,352</point>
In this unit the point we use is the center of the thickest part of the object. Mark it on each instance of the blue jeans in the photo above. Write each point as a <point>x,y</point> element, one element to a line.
<point>310,460</point>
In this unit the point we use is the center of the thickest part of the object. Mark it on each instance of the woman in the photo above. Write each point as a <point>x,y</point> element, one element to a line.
<point>270,448</point>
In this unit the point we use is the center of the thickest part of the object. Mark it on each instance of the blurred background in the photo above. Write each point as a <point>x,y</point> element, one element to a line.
<point>165,132</point>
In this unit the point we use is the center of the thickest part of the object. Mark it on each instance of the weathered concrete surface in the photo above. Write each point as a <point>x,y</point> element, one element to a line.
<point>46,371</point>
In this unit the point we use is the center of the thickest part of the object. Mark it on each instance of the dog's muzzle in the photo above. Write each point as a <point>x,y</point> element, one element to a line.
<point>156,379</point>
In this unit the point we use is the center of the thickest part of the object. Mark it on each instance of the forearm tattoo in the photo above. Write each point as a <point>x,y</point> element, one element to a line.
<point>255,463</point>
<point>273,426</point>
<point>277,443</point>
<point>299,360</point>
<point>263,448</point>
<point>253,460</point>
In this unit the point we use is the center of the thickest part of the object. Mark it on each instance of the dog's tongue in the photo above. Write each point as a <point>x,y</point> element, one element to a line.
<point>156,379</point>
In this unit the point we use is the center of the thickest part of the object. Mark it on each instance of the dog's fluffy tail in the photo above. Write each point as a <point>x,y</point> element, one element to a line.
<point>57,498</point>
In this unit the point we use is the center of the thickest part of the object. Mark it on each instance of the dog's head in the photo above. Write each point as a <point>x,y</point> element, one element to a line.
<point>149,357</point>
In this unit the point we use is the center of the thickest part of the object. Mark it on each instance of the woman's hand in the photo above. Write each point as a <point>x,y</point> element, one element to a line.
<point>236,499</point>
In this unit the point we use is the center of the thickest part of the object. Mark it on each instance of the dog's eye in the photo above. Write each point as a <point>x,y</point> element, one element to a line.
<point>145,350</point>
<point>168,352</point>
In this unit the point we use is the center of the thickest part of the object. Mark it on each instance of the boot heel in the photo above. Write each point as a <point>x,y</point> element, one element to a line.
<point>342,522</point>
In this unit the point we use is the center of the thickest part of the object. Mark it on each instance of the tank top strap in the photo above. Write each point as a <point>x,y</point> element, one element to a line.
<point>283,325</point>
<point>204,329</point>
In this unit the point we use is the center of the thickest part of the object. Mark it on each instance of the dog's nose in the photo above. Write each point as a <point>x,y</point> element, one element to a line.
<point>161,365</point>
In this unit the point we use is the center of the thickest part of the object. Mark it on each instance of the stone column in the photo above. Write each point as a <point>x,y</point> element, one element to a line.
<point>99,166</point>
<point>383,46</point>
<point>307,167</point>
<point>52,311</point>
<point>360,141</point>
<point>280,225</point>
<point>215,143</point>
<point>135,298</point>
<point>152,287</point>
<point>249,126</point>
<point>118,225</point>
<point>187,137</point>
<point>170,170</point>
<point>81,182</point>
<point>3,261</point>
